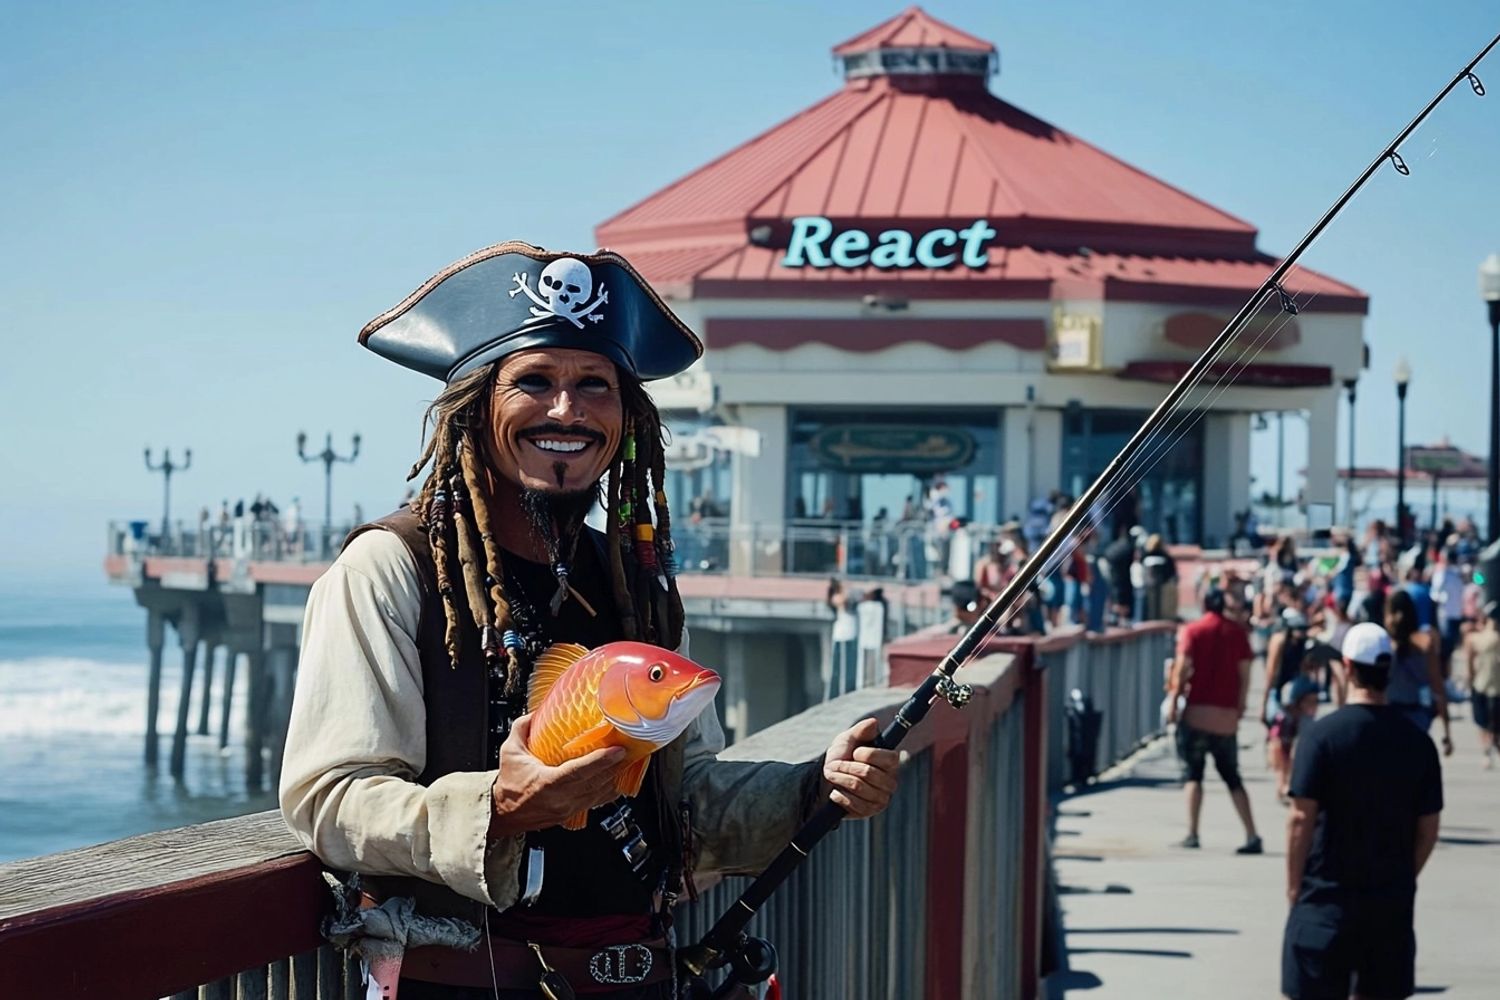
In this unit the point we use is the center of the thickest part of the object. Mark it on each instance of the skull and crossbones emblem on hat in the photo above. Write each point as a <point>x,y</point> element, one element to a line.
<point>563,289</point>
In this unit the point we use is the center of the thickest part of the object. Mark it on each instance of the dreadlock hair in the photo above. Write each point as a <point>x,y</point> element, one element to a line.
<point>455,503</point>
<point>643,566</point>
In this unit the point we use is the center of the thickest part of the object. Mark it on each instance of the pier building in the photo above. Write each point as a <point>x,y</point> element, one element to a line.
<point>915,280</point>
<point>911,283</point>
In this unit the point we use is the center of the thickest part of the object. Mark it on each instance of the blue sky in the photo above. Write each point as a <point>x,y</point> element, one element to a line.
<point>205,202</point>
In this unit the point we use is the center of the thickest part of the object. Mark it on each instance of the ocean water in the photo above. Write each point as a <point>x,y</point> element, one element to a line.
<point>73,671</point>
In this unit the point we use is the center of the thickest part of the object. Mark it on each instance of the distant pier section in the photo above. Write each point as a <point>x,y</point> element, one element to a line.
<point>231,598</point>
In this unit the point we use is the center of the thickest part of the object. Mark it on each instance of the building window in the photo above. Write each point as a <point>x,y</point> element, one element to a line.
<point>1166,500</point>
<point>699,478</point>
<point>885,477</point>
<point>699,488</point>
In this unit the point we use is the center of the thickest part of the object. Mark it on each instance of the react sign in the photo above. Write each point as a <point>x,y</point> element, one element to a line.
<point>814,244</point>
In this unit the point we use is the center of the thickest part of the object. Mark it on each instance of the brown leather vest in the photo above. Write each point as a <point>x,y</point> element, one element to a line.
<point>456,703</point>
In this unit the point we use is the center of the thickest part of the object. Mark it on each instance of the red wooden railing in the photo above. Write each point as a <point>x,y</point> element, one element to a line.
<point>235,905</point>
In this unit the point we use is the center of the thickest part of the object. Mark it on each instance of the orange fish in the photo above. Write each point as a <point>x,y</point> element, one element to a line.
<point>623,694</point>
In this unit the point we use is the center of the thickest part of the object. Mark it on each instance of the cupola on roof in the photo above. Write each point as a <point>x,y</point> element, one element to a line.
<point>914,43</point>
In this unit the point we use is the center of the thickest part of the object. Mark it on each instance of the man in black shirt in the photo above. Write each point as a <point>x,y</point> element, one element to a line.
<point>1366,794</point>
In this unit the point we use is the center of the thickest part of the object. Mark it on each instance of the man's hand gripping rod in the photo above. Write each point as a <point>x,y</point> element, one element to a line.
<point>752,960</point>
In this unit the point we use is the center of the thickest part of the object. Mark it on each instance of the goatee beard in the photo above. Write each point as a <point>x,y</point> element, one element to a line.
<point>557,517</point>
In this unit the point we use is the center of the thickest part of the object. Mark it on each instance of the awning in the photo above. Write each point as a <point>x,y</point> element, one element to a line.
<point>1274,376</point>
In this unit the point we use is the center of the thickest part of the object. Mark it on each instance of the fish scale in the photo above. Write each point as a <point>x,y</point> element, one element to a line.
<point>572,707</point>
<point>580,700</point>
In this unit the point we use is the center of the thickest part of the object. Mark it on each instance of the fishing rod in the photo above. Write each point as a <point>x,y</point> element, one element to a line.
<point>751,960</point>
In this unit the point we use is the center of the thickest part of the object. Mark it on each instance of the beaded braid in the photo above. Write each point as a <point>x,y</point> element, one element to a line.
<point>469,563</point>
<point>493,566</point>
<point>641,534</point>
<point>666,548</point>
<point>651,544</point>
<point>438,517</point>
<point>442,515</point>
<point>617,533</point>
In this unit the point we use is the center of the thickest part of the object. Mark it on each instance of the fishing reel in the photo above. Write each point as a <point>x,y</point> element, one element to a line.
<point>955,694</point>
<point>751,961</point>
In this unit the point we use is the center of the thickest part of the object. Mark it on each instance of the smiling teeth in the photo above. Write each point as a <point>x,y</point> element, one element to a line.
<point>551,445</point>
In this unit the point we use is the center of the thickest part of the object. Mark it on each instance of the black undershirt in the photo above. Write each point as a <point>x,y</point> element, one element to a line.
<point>586,874</point>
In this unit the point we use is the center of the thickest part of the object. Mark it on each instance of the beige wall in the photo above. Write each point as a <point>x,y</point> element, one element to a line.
<point>754,386</point>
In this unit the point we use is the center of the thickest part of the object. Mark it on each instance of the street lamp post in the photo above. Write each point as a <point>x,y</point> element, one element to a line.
<point>1489,289</point>
<point>328,457</point>
<point>1280,466</point>
<point>1403,378</point>
<point>1349,384</point>
<point>166,468</point>
<point>1437,480</point>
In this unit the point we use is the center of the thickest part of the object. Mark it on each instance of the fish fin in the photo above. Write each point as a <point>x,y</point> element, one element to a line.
<point>577,821</point>
<point>628,780</point>
<point>588,741</point>
<point>551,665</point>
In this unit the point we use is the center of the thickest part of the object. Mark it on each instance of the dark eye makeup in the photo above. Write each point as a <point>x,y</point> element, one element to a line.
<point>594,385</point>
<point>532,382</point>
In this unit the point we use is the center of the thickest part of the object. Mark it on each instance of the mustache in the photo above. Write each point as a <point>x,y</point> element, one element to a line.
<point>552,428</point>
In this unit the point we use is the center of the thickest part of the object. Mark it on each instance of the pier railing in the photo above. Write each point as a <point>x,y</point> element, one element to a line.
<point>908,551</point>
<point>246,538</point>
<point>941,896</point>
<point>903,551</point>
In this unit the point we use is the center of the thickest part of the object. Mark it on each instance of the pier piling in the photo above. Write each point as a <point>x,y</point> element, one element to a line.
<point>155,640</point>
<point>210,651</point>
<point>187,631</point>
<point>255,736</point>
<point>282,679</point>
<point>231,660</point>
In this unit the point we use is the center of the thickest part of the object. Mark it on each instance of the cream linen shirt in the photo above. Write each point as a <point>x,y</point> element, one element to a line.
<point>357,739</point>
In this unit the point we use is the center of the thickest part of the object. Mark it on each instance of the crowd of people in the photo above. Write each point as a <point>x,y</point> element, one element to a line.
<point>1115,573</point>
<point>1424,594</point>
<point>1365,646</point>
<point>262,529</point>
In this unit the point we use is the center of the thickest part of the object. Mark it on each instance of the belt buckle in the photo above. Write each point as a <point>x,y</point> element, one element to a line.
<point>621,964</point>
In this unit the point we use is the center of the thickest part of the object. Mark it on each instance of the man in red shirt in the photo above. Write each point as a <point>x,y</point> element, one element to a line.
<point>1212,671</point>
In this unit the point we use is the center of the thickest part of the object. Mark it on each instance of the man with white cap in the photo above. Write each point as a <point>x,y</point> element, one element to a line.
<point>1366,794</point>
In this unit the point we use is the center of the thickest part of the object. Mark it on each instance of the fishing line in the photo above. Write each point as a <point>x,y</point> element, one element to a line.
<point>1165,440</point>
<point>1188,418</point>
<point>1160,441</point>
<point>752,959</point>
<point>1000,607</point>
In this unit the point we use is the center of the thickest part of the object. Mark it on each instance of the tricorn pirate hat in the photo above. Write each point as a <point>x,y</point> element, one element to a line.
<point>514,297</point>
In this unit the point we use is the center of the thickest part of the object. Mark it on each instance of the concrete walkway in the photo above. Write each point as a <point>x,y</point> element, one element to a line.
<point>1143,919</point>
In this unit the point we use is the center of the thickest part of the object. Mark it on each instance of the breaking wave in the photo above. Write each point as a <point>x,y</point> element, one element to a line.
<point>52,695</point>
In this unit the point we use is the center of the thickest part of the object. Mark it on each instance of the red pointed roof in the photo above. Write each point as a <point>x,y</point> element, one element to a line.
<point>913,28</point>
<point>916,149</point>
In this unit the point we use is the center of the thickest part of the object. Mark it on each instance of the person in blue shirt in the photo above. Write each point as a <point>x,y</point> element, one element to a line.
<point>1421,596</point>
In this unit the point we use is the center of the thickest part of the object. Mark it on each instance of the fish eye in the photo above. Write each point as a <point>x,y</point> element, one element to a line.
<point>657,672</point>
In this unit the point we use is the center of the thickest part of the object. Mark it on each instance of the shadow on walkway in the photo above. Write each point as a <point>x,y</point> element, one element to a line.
<point>1149,952</point>
<point>1151,930</point>
<point>1115,784</point>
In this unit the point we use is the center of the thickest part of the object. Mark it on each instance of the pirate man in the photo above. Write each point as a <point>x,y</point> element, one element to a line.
<point>406,759</point>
